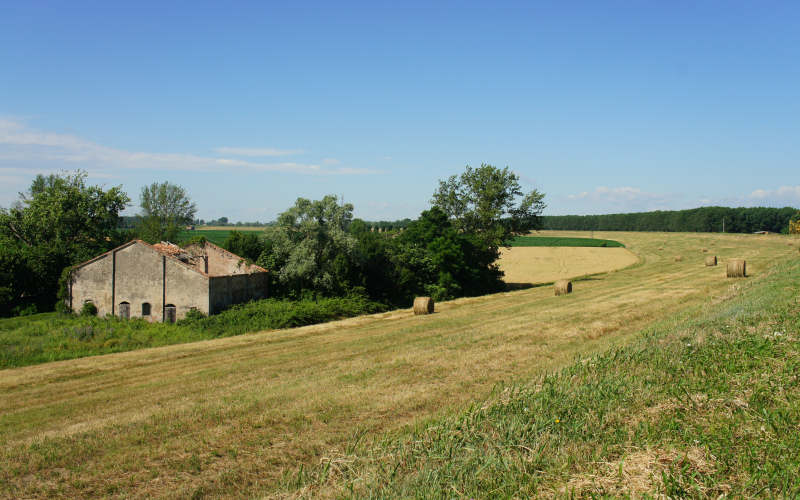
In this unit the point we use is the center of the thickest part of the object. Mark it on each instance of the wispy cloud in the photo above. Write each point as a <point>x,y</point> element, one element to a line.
<point>603,199</point>
<point>781,195</point>
<point>257,152</point>
<point>38,150</point>
<point>622,194</point>
<point>330,161</point>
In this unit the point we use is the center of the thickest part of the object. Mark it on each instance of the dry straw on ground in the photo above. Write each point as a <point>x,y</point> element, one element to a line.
<point>711,260</point>
<point>423,305</point>
<point>563,287</point>
<point>736,268</point>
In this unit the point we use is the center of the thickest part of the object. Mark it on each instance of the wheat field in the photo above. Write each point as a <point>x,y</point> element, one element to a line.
<point>239,416</point>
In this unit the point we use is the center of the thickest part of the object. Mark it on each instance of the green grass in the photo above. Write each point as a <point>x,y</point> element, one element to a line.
<point>215,236</point>
<point>41,338</point>
<point>704,404</point>
<point>550,241</point>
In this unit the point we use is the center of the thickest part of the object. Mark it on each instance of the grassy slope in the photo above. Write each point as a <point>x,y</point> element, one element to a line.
<point>702,404</point>
<point>46,337</point>
<point>235,416</point>
<point>558,241</point>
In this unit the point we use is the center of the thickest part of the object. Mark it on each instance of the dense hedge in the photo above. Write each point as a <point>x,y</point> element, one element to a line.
<point>705,219</point>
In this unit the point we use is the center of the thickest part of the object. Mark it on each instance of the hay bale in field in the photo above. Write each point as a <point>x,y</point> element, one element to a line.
<point>661,248</point>
<point>711,260</point>
<point>678,258</point>
<point>736,268</point>
<point>563,287</point>
<point>423,305</point>
<point>704,250</point>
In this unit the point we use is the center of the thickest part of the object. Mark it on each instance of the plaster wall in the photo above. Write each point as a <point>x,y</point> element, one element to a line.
<point>225,291</point>
<point>186,289</point>
<point>92,283</point>
<point>139,280</point>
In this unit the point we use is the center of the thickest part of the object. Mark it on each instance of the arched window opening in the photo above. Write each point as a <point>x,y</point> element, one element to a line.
<point>146,309</point>
<point>170,313</point>
<point>125,310</point>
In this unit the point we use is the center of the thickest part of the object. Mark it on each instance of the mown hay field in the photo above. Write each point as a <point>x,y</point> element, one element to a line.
<point>535,265</point>
<point>238,416</point>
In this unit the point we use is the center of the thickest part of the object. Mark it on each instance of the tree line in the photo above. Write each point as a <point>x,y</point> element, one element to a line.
<point>704,219</point>
<point>314,249</point>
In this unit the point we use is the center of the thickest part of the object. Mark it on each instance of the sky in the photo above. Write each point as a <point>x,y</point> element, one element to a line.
<point>605,107</point>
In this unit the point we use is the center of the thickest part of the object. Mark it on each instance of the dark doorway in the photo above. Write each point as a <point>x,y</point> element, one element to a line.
<point>170,313</point>
<point>124,310</point>
<point>146,309</point>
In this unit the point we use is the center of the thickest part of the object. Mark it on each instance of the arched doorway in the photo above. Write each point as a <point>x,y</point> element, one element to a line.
<point>125,310</point>
<point>170,313</point>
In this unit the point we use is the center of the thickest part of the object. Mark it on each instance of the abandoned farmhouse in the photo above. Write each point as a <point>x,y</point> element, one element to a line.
<point>163,282</point>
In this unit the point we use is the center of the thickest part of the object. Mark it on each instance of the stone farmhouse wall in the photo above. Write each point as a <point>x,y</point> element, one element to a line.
<point>139,281</point>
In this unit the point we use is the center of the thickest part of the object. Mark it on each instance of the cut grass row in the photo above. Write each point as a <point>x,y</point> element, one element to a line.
<point>704,404</point>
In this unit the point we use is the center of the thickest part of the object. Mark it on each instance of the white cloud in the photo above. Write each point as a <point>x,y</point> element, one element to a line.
<point>616,195</point>
<point>621,198</point>
<point>330,161</point>
<point>41,151</point>
<point>779,196</point>
<point>257,151</point>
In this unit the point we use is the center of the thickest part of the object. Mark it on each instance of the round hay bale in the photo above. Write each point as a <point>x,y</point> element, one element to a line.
<point>678,258</point>
<point>736,268</point>
<point>711,260</point>
<point>563,287</point>
<point>661,248</point>
<point>423,305</point>
<point>704,250</point>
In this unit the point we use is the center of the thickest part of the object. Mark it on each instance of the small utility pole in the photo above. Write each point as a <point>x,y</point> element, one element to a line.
<point>723,224</point>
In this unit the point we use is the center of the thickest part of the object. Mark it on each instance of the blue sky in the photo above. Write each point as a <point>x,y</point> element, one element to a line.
<point>604,106</point>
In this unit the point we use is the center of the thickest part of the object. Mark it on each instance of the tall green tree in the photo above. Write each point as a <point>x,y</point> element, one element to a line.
<point>247,244</point>
<point>489,203</point>
<point>58,222</point>
<point>311,249</point>
<point>166,209</point>
<point>436,259</point>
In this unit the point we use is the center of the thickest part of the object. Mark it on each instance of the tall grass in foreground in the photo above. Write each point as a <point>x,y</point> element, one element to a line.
<point>47,337</point>
<point>702,405</point>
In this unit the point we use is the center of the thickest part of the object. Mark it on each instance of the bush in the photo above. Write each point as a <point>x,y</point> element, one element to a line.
<point>62,307</point>
<point>89,309</point>
<point>194,315</point>
<point>27,310</point>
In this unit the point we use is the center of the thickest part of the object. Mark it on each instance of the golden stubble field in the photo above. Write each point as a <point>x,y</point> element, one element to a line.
<point>233,417</point>
<point>547,264</point>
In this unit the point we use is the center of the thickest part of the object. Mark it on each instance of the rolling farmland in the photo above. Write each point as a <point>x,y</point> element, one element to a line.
<point>238,416</point>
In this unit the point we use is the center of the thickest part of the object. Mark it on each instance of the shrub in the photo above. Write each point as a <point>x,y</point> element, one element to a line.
<point>89,309</point>
<point>194,315</point>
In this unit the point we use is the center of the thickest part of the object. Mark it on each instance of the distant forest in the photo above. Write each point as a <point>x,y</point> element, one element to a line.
<point>705,219</point>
